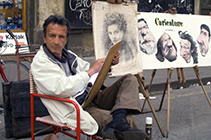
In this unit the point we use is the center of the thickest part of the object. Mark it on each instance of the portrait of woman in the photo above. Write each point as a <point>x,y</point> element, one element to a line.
<point>111,24</point>
<point>115,29</point>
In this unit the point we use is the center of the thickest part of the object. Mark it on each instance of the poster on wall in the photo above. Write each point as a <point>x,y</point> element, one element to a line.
<point>112,23</point>
<point>174,40</point>
<point>9,47</point>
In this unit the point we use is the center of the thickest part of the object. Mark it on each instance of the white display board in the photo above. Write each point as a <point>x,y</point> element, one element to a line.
<point>9,46</point>
<point>185,41</point>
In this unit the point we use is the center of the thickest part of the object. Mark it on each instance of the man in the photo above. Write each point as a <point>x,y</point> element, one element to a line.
<point>166,48</point>
<point>204,39</point>
<point>146,38</point>
<point>188,47</point>
<point>61,73</point>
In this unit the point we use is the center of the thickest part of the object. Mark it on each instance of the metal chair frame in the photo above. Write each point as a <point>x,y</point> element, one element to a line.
<point>48,121</point>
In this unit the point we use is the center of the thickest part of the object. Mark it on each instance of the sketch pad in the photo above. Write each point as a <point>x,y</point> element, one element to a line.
<point>103,72</point>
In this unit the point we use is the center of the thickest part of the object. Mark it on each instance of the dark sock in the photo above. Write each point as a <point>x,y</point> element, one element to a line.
<point>119,114</point>
<point>119,121</point>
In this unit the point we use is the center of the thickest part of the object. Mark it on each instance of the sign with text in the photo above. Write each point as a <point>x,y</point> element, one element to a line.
<point>9,46</point>
<point>174,40</point>
<point>79,14</point>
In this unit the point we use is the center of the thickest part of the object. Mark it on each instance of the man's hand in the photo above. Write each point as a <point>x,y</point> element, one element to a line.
<point>96,67</point>
<point>116,59</point>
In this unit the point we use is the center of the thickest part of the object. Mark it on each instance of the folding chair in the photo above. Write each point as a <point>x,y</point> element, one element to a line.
<point>48,121</point>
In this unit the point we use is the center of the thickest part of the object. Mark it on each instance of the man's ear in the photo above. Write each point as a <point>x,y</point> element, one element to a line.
<point>44,39</point>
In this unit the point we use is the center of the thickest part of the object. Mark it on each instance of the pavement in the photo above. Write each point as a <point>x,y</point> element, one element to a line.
<point>190,111</point>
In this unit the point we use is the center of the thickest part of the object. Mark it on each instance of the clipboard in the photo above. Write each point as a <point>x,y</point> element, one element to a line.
<point>103,72</point>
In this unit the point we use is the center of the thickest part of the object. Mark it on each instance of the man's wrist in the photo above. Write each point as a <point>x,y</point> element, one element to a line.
<point>88,74</point>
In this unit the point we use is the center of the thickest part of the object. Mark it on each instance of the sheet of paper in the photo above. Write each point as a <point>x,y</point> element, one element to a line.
<point>92,79</point>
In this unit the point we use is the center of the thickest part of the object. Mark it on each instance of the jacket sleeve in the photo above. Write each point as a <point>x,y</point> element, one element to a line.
<point>51,79</point>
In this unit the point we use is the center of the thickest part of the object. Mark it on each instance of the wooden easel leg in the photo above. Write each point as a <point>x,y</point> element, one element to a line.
<point>168,103</point>
<point>153,75</point>
<point>178,75</point>
<point>146,95</point>
<point>183,75</point>
<point>164,92</point>
<point>199,78</point>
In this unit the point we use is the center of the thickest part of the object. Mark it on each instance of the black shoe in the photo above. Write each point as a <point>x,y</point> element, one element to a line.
<point>130,135</point>
<point>120,129</point>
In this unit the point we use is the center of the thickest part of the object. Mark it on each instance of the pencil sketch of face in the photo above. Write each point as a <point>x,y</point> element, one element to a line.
<point>188,47</point>
<point>185,50</point>
<point>114,33</point>
<point>204,39</point>
<point>166,48</point>
<point>114,28</point>
<point>146,38</point>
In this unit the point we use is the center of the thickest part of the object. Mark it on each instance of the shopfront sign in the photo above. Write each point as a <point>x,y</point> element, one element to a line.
<point>9,45</point>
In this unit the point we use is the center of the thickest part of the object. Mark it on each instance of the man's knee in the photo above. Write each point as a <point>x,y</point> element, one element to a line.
<point>131,78</point>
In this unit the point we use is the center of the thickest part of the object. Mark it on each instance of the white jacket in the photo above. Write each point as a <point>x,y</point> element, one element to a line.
<point>50,79</point>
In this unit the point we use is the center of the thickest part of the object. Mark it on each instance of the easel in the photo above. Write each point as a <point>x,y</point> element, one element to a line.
<point>167,86</point>
<point>140,79</point>
<point>139,76</point>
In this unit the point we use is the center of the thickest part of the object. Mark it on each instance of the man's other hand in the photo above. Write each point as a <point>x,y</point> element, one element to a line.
<point>116,59</point>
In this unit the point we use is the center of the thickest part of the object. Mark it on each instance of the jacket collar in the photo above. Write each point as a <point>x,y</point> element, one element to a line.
<point>70,58</point>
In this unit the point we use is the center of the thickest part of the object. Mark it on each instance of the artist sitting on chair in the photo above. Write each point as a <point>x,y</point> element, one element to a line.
<point>61,73</point>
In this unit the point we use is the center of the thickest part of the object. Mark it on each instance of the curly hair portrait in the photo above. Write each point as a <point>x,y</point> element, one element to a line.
<point>193,49</point>
<point>119,20</point>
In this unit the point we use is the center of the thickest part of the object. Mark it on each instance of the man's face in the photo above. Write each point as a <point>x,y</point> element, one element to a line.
<point>56,38</point>
<point>114,33</point>
<point>169,50</point>
<point>185,51</point>
<point>203,40</point>
<point>146,38</point>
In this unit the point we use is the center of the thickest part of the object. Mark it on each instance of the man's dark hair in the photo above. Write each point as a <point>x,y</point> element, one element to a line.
<point>206,28</point>
<point>193,49</point>
<point>56,19</point>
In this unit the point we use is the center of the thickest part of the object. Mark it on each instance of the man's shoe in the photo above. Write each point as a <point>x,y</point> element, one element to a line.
<point>108,132</point>
<point>120,129</point>
<point>130,135</point>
